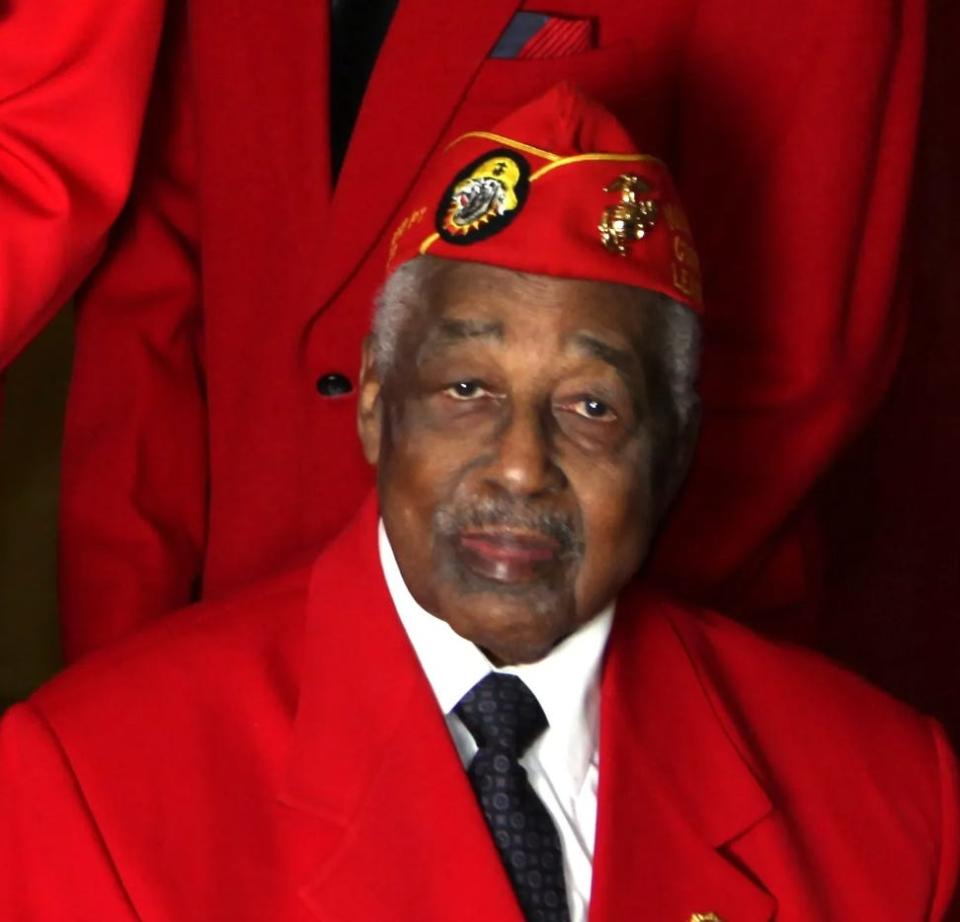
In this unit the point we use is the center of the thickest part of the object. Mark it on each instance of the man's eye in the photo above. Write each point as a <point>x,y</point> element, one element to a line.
<point>465,390</point>
<point>591,408</point>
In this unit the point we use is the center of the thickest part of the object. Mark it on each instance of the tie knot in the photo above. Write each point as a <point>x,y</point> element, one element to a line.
<point>502,713</point>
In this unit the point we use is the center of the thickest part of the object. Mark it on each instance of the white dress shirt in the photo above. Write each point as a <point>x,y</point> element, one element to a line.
<point>562,764</point>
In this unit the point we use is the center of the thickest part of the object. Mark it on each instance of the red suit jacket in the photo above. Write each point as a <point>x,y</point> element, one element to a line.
<point>198,449</point>
<point>281,756</point>
<point>74,80</point>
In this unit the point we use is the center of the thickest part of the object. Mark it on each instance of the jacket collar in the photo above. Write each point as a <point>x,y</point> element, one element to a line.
<point>371,756</point>
<point>676,784</point>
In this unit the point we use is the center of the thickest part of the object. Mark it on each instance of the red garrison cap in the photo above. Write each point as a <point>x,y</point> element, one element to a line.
<point>556,188</point>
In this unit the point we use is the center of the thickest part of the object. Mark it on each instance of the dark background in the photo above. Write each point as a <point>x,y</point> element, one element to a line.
<point>890,511</point>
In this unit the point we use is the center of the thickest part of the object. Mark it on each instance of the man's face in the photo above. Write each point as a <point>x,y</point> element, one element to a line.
<point>514,438</point>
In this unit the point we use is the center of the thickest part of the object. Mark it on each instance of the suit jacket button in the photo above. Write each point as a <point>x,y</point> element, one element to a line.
<point>334,385</point>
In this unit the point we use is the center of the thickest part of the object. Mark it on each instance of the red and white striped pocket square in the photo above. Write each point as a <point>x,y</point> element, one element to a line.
<point>532,36</point>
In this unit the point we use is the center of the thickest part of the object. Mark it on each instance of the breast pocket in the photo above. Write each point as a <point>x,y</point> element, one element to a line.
<point>614,75</point>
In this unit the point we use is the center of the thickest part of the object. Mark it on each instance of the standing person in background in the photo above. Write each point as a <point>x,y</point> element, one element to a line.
<point>209,431</point>
<point>470,708</point>
<point>74,81</point>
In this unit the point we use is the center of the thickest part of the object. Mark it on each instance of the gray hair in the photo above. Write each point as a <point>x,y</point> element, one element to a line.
<point>402,294</point>
<point>676,349</point>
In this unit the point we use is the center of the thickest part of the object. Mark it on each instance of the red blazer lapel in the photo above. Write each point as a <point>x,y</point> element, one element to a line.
<point>674,785</point>
<point>372,757</point>
<point>430,54</point>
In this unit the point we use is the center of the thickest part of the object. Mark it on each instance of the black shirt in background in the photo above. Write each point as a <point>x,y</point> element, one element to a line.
<point>357,29</point>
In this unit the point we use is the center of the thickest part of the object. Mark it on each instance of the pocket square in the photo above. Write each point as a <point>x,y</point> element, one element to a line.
<point>532,36</point>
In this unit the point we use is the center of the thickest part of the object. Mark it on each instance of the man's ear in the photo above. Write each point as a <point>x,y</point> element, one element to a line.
<point>369,404</point>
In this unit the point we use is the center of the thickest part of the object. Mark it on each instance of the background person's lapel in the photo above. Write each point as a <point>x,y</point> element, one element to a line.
<point>408,105</point>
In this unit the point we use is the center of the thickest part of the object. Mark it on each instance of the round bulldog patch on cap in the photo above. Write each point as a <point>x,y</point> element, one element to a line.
<point>484,197</point>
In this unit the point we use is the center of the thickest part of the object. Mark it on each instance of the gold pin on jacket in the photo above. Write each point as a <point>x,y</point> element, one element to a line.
<point>631,218</point>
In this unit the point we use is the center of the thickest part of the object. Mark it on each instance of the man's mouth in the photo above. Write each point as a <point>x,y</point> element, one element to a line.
<point>506,555</point>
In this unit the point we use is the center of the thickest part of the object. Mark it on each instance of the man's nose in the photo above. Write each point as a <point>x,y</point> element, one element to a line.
<point>524,464</point>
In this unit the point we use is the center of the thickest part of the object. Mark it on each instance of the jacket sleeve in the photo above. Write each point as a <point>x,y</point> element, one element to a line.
<point>54,864</point>
<point>134,464</point>
<point>74,79</point>
<point>797,127</point>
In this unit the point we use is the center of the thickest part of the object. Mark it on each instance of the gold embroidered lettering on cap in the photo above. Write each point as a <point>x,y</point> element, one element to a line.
<point>631,218</point>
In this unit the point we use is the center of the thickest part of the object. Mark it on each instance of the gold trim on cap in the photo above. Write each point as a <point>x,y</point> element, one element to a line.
<point>428,242</point>
<point>582,158</point>
<point>555,161</point>
<point>510,142</point>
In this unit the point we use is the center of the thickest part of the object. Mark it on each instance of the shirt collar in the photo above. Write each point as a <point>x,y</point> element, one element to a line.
<point>565,681</point>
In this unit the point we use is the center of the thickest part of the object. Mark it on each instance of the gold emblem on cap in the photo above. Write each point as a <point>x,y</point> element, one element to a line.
<point>705,917</point>
<point>628,221</point>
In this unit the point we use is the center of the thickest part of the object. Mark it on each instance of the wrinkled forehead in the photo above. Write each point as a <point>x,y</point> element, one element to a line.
<point>472,308</point>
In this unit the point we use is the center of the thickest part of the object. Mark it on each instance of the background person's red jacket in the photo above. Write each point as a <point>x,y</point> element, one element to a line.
<point>199,452</point>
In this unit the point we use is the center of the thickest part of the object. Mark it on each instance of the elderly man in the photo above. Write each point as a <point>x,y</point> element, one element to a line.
<point>469,709</point>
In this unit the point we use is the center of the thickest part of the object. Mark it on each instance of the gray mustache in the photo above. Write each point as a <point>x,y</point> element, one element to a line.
<point>484,513</point>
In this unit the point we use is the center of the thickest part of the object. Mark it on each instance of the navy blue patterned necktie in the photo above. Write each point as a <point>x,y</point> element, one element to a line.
<point>505,718</point>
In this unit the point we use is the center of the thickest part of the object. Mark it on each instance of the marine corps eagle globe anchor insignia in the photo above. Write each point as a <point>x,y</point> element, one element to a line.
<point>631,218</point>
